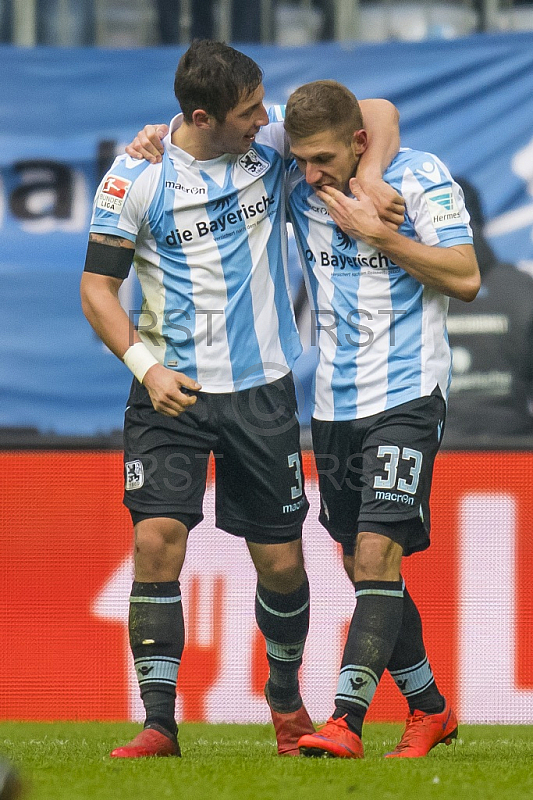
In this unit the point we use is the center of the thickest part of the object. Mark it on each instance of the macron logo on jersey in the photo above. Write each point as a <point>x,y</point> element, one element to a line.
<point>442,207</point>
<point>430,171</point>
<point>113,193</point>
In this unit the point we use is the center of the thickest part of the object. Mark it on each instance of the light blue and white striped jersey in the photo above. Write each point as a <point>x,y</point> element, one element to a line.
<point>211,256</point>
<point>381,334</point>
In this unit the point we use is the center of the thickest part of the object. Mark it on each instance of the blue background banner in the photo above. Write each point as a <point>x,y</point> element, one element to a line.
<point>66,113</point>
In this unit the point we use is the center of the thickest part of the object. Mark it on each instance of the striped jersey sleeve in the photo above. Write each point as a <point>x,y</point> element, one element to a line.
<point>434,202</point>
<point>123,197</point>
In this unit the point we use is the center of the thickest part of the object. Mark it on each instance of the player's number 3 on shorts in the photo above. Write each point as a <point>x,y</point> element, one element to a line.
<point>294,461</point>
<point>391,468</point>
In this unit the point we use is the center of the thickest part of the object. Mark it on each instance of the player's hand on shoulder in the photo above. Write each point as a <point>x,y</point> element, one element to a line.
<point>170,391</point>
<point>147,144</point>
<point>389,205</point>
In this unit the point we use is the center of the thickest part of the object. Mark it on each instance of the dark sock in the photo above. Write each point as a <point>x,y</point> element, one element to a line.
<point>157,637</point>
<point>373,631</point>
<point>283,619</point>
<point>409,665</point>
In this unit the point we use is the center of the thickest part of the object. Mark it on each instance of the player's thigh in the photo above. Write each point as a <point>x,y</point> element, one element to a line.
<point>260,491</point>
<point>165,460</point>
<point>338,455</point>
<point>398,457</point>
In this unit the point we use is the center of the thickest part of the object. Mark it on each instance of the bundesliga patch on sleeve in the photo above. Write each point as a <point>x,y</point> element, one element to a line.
<point>442,207</point>
<point>113,193</point>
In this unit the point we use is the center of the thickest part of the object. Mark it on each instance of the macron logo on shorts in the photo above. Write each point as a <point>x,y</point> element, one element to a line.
<point>113,193</point>
<point>134,475</point>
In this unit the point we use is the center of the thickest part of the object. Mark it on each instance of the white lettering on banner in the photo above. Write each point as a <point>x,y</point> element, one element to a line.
<point>487,613</point>
<point>224,556</point>
<point>113,604</point>
<point>487,646</point>
<point>41,201</point>
<point>477,323</point>
<point>522,217</point>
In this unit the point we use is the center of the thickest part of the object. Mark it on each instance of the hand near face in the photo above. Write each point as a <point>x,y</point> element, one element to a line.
<point>357,216</point>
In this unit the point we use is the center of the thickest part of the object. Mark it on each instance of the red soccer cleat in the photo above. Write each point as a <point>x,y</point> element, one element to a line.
<point>423,732</point>
<point>290,728</point>
<point>149,742</point>
<point>334,740</point>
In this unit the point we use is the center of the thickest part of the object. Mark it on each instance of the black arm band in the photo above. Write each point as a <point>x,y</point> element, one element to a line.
<point>105,259</point>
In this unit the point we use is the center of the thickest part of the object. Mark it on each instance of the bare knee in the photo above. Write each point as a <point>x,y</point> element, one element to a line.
<point>282,578</point>
<point>160,546</point>
<point>377,558</point>
<point>280,567</point>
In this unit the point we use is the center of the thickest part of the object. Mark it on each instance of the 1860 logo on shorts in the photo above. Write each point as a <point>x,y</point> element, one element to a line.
<point>134,475</point>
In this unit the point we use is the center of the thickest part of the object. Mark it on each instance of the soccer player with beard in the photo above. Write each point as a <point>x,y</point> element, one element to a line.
<point>380,298</point>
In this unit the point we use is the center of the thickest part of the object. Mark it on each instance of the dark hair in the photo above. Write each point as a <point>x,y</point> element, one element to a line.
<point>322,105</point>
<point>214,77</point>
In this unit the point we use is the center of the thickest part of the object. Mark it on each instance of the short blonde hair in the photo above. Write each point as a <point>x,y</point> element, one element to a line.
<point>322,105</point>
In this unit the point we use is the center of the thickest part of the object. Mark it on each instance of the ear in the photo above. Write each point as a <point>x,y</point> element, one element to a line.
<point>359,142</point>
<point>201,119</point>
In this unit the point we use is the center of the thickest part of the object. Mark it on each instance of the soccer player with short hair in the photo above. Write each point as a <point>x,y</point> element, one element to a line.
<point>212,359</point>
<point>380,299</point>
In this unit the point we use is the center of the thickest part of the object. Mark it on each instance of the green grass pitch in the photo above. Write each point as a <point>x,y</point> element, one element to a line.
<point>69,761</point>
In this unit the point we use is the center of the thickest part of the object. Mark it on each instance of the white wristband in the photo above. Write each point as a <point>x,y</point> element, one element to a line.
<point>139,359</point>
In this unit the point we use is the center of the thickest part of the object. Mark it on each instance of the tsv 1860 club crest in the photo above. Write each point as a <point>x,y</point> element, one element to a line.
<point>134,475</point>
<point>252,162</point>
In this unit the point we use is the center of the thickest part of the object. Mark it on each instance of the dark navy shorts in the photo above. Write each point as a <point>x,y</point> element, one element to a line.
<point>254,436</point>
<point>375,473</point>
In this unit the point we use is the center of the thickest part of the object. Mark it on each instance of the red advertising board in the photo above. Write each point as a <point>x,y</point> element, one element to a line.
<point>66,572</point>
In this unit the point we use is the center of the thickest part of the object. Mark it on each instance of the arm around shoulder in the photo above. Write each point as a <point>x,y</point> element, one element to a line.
<point>381,121</point>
